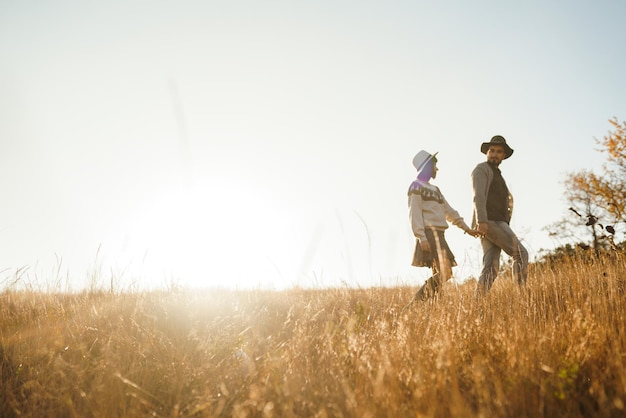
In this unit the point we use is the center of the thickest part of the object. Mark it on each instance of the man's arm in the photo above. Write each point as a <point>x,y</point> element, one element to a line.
<point>480,188</point>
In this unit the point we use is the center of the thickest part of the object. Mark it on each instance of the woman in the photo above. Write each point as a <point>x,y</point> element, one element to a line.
<point>429,213</point>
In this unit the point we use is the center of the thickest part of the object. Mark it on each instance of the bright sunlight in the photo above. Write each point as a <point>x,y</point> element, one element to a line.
<point>216,234</point>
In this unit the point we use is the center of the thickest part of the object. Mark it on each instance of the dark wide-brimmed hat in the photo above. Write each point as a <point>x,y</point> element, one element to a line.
<point>497,140</point>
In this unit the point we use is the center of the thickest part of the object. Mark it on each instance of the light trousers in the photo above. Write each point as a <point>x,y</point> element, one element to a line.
<point>500,237</point>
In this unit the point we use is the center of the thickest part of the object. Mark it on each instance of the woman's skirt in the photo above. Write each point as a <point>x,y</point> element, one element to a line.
<point>439,247</point>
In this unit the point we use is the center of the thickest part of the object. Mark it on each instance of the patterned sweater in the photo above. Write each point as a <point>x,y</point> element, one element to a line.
<point>429,209</point>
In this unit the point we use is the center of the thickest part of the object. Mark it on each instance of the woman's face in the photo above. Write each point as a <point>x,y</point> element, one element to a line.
<point>435,169</point>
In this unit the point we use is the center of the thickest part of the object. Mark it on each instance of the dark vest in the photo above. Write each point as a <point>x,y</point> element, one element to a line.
<point>498,198</point>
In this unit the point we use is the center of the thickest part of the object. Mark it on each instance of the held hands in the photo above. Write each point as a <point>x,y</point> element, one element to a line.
<point>482,229</point>
<point>425,246</point>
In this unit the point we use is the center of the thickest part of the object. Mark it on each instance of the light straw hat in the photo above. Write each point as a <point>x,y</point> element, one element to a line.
<point>422,158</point>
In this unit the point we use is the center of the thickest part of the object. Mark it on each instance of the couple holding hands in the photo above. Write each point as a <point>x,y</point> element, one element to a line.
<point>429,214</point>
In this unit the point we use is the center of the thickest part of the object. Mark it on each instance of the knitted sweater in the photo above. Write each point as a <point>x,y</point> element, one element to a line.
<point>429,209</point>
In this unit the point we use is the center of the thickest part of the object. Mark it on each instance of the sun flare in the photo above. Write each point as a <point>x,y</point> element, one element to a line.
<point>213,235</point>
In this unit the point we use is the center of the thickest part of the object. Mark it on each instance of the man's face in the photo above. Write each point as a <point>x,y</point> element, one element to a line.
<point>495,154</point>
<point>435,169</point>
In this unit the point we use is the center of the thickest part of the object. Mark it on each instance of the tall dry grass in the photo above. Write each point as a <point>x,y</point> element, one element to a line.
<point>556,348</point>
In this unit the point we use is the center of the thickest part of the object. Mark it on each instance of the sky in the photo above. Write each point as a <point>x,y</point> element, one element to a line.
<point>269,144</point>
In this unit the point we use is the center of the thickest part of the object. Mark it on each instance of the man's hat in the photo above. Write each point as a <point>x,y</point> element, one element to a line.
<point>422,158</point>
<point>497,140</point>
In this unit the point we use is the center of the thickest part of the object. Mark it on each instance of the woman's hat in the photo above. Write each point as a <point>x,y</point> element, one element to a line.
<point>422,158</point>
<point>497,140</point>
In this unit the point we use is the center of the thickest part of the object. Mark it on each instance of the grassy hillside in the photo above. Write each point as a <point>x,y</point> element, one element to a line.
<point>556,348</point>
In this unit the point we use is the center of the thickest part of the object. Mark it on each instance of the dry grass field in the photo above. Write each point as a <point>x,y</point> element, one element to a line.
<point>556,348</point>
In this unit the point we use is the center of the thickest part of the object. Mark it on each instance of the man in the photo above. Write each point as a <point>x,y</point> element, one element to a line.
<point>493,206</point>
<point>429,214</point>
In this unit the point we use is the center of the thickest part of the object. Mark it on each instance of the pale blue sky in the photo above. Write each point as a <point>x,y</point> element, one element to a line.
<point>270,143</point>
